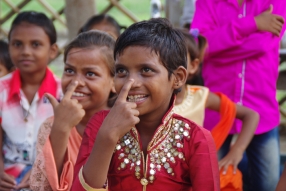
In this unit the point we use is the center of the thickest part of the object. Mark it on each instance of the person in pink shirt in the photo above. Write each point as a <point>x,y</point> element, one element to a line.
<point>242,62</point>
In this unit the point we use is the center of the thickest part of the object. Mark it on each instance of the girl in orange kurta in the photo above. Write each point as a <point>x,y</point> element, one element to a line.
<point>88,67</point>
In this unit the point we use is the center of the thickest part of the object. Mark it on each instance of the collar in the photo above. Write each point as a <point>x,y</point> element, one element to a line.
<point>48,85</point>
<point>170,111</point>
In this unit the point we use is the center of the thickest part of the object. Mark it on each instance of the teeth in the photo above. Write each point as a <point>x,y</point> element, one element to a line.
<point>77,94</point>
<point>135,98</point>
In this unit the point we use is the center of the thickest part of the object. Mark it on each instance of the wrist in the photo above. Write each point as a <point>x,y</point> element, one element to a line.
<point>62,128</point>
<point>110,137</point>
<point>237,148</point>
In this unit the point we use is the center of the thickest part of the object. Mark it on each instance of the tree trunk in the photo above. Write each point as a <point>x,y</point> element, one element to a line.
<point>174,11</point>
<point>77,13</point>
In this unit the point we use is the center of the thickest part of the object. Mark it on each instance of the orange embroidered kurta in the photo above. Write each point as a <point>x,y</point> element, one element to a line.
<point>44,175</point>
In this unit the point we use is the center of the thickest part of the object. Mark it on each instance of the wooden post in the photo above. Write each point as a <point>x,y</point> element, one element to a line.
<point>77,13</point>
<point>174,11</point>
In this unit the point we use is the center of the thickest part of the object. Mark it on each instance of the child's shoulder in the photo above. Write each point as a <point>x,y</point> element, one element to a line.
<point>6,78</point>
<point>5,82</point>
<point>198,89</point>
<point>192,127</point>
<point>95,122</point>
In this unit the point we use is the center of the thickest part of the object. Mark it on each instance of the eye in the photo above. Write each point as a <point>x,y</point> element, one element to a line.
<point>146,70</point>
<point>90,74</point>
<point>16,44</point>
<point>69,71</point>
<point>36,44</point>
<point>121,71</point>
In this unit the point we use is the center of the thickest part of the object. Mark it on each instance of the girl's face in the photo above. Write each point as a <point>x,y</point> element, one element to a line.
<point>30,48</point>
<point>88,66</point>
<point>3,70</point>
<point>152,89</point>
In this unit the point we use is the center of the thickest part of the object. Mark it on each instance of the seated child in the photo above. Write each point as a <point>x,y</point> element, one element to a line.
<point>141,144</point>
<point>23,107</point>
<point>87,83</point>
<point>6,65</point>
<point>192,101</point>
<point>102,22</point>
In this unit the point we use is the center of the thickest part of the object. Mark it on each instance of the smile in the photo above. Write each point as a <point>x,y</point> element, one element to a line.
<point>78,94</point>
<point>136,98</point>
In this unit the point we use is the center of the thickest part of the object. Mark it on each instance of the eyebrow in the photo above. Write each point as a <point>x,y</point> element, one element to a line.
<point>85,68</point>
<point>140,65</point>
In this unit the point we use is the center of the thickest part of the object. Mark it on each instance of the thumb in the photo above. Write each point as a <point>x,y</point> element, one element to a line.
<point>52,100</point>
<point>270,9</point>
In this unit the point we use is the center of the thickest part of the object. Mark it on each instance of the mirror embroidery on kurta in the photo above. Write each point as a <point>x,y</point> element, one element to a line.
<point>164,150</point>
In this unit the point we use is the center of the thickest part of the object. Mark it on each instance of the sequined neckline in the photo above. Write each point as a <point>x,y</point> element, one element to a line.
<point>165,149</point>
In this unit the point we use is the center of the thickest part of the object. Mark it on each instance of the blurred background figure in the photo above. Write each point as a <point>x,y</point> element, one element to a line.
<point>6,65</point>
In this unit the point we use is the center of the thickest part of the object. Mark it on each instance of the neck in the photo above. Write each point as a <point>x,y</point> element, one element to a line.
<point>32,79</point>
<point>181,96</point>
<point>240,2</point>
<point>150,122</point>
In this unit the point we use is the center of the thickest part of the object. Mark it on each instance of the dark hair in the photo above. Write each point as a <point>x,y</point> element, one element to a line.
<point>38,19</point>
<point>102,18</point>
<point>158,35</point>
<point>5,56</point>
<point>195,47</point>
<point>99,39</point>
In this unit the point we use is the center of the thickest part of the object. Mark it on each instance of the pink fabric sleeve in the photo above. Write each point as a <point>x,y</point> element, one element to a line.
<point>88,140</point>
<point>237,40</point>
<point>66,177</point>
<point>44,176</point>
<point>38,178</point>
<point>221,38</point>
<point>202,160</point>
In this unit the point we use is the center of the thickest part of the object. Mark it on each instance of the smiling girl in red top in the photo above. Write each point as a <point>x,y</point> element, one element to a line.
<point>140,144</point>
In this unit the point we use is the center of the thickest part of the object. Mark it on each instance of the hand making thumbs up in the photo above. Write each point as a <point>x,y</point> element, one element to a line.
<point>267,21</point>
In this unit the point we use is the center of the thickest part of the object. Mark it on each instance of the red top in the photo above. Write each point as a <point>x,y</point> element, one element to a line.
<point>181,156</point>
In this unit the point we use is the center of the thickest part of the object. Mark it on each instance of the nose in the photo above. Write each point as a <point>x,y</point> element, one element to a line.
<point>137,80</point>
<point>80,79</point>
<point>26,50</point>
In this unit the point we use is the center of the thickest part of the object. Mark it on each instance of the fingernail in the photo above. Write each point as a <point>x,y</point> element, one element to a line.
<point>224,172</point>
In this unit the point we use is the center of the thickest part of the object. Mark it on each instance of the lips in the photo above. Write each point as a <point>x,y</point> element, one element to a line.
<point>26,62</point>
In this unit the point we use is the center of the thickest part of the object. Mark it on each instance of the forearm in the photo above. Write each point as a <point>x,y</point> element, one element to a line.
<point>96,168</point>
<point>59,140</point>
<point>281,186</point>
<point>250,122</point>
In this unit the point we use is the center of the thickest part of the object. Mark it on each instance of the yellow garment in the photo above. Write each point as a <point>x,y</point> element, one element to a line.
<point>193,105</point>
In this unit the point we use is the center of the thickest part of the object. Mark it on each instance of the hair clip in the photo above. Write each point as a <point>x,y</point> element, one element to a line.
<point>195,33</point>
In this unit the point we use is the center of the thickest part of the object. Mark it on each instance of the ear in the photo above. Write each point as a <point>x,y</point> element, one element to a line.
<point>180,77</point>
<point>54,51</point>
<point>193,66</point>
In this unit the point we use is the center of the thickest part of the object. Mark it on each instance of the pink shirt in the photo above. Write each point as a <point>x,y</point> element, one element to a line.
<point>240,61</point>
